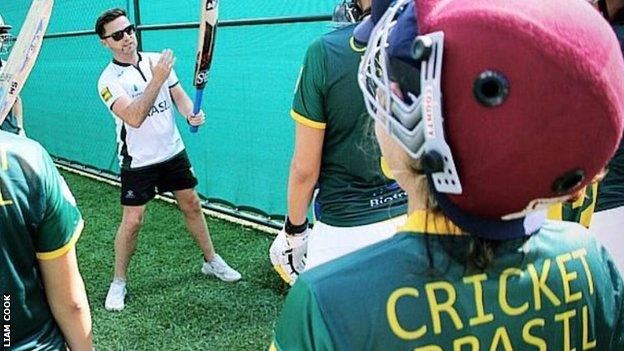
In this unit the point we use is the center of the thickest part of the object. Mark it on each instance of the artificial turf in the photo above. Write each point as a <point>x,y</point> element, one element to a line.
<point>170,304</point>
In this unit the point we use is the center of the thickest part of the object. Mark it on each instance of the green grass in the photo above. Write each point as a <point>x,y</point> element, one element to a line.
<point>170,304</point>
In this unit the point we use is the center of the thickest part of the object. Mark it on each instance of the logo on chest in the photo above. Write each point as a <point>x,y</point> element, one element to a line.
<point>159,108</point>
<point>135,92</point>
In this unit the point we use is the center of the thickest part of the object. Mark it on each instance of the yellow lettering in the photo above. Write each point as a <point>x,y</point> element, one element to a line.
<point>429,348</point>
<point>565,318</point>
<point>502,294</point>
<point>481,317</point>
<point>501,335</point>
<point>437,308</point>
<point>566,278</point>
<point>587,345</point>
<point>466,340</point>
<point>539,284</point>
<point>532,339</point>
<point>393,319</point>
<point>580,254</point>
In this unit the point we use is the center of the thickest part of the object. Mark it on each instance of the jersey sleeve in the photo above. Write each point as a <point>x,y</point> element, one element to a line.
<point>61,223</point>
<point>110,90</point>
<point>173,80</point>
<point>307,107</point>
<point>617,341</point>
<point>301,325</point>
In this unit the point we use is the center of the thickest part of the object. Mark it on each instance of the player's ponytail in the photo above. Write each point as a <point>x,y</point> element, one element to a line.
<point>480,253</point>
<point>477,255</point>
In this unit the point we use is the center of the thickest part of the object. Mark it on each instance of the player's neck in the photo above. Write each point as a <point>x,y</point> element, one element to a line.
<point>131,58</point>
<point>417,195</point>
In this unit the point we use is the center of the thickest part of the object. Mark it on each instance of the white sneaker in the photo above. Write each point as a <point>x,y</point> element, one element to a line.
<point>115,299</point>
<point>220,269</point>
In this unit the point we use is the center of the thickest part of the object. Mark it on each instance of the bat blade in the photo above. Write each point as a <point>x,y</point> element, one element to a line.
<point>24,54</point>
<point>209,15</point>
<point>206,41</point>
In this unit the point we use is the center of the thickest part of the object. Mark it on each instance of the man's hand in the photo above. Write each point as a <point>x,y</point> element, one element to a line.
<point>196,120</point>
<point>288,254</point>
<point>162,69</point>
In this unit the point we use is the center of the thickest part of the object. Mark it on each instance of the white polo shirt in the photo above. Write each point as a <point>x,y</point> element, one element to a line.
<point>158,138</point>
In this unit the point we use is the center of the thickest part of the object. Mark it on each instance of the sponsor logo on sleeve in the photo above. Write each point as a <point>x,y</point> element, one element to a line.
<point>106,94</point>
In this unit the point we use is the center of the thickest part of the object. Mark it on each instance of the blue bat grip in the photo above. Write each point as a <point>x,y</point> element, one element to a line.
<point>199,94</point>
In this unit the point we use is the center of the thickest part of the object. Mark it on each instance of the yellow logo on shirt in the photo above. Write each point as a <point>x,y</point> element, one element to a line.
<point>106,94</point>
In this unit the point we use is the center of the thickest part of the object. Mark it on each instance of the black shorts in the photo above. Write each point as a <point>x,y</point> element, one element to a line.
<point>139,186</point>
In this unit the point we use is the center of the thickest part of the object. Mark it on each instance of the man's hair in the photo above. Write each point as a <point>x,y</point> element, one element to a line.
<point>107,17</point>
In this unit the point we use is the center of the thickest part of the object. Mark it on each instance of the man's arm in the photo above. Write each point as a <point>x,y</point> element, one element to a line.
<point>134,112</point>
<point>304,171</point>
<point>54,240</point>
<point>68,299</point>
<point>185,106</point>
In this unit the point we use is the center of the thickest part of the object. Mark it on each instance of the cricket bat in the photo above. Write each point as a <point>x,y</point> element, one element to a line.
<point>24,54</point>
<point>208,18</point>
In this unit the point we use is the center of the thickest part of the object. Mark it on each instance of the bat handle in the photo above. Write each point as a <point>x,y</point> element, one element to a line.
<point>199,94</point>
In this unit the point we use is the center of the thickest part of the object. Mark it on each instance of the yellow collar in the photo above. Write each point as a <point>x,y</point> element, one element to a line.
<point>355,47</point>
<point>431,223</point>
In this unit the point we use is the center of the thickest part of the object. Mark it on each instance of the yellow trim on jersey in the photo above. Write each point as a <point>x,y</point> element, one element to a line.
<point>355,47</point>
<point>63,250</point>
<point>430,223</point>
<point>555,212</point>
<point>272,347</point>
<point>306,121</point>
<point>385,168</point>
<point>587,214</point>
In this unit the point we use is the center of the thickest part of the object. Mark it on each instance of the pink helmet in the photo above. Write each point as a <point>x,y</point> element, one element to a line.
<point>516,103</point>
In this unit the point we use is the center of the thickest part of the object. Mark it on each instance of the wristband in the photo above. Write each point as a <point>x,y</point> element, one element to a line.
<point>290,228</point>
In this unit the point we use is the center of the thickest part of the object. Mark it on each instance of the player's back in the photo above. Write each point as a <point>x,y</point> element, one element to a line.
<point>558,289</point>
<point>26,200</point>
<point>353,188</point>
<point>611,189</point>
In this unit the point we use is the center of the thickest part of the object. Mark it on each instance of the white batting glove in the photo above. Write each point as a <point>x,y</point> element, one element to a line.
<point>288,254</point>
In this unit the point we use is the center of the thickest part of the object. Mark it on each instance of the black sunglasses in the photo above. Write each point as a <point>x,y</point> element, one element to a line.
<point>118,35</point>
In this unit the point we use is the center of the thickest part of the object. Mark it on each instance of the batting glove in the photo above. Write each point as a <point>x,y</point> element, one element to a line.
<point>288,252</point>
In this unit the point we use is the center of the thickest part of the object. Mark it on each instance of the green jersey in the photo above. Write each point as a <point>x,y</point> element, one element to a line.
<point>580,211</point>
<point>10,122</point>
<point>611,189</point>
<point>353,189</point>
<point>556,290</point>
<point>39,220</point>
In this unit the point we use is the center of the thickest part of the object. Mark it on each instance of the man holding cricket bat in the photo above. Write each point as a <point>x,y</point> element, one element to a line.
<point>14,121</point>
<point>140,90</point>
